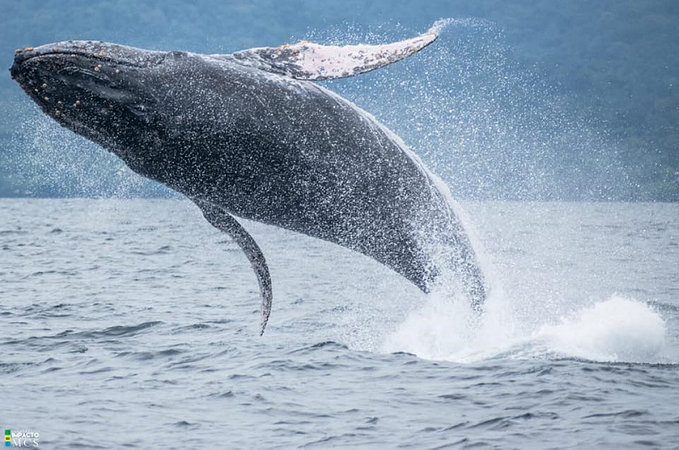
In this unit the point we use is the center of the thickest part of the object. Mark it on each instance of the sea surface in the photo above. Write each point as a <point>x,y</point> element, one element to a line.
<point>134,324</point>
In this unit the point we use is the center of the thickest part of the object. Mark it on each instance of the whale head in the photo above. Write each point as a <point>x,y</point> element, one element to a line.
<point>98,90</point>
<point>134,102</point>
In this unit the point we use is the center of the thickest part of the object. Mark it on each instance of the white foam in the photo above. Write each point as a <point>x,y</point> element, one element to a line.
<point>616,329</point>
<point>447,329</point>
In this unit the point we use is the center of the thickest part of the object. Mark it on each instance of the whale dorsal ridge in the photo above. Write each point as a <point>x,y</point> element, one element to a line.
<point>309,61</point>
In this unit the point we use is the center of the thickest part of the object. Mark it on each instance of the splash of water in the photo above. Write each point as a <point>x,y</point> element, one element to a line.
<point>495,130</point>
<point>614,330</point>
<point>440,25</point>
<point>617,329</point>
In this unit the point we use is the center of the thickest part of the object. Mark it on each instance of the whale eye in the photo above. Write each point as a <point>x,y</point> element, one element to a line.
<point>137,109</point>
<point>140,111</point>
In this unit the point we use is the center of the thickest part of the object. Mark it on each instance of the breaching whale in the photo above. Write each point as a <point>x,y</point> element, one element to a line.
<point>251,135</point>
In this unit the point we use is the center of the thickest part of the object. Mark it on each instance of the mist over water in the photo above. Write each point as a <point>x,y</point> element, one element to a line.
<point>49,158</point>
<point>499,131</point>
<point>489,127</point>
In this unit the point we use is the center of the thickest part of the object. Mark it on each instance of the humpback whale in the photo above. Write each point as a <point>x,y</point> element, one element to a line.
<point>251,135</point>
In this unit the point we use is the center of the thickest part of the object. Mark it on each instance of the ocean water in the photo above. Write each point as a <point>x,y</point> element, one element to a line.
<point>134,324</point>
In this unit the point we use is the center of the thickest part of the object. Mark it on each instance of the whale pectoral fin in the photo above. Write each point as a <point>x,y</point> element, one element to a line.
<point>309,61</point>
<point>222,220</point>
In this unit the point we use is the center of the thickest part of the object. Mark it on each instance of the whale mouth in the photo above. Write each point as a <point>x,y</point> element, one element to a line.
<point>84,85</point>
<point>103,52</point>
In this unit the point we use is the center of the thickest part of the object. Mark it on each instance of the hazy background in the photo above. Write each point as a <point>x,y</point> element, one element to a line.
<point>520,100</point>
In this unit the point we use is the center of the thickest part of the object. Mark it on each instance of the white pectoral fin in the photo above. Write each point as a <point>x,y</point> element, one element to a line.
<point>309,61</point>
<point>222,220</point>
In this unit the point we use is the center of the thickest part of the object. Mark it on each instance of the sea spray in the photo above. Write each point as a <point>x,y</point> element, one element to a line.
<point>617,329</point>
<point>614,330</point>
<point>486,122</point>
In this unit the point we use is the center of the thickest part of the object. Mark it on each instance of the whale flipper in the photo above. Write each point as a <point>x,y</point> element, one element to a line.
<point>309,61</point>
<point>222,220</point>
